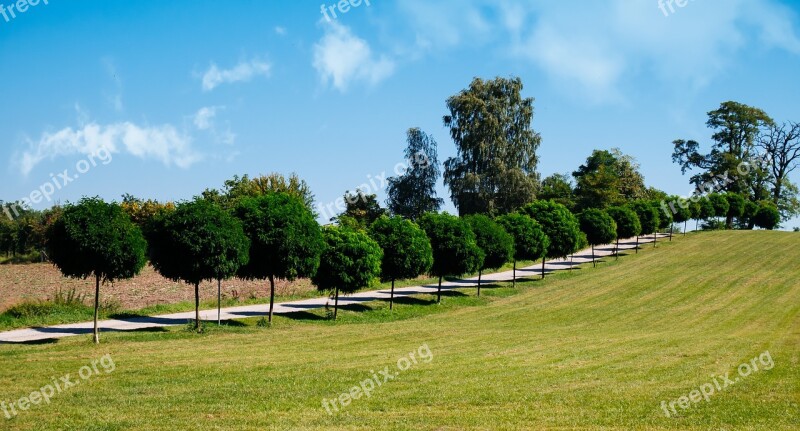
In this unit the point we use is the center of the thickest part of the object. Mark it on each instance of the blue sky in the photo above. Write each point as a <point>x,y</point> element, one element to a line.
<point>188,94</point>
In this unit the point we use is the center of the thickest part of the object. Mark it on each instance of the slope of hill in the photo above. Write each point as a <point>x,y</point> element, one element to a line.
<point>613,348</point>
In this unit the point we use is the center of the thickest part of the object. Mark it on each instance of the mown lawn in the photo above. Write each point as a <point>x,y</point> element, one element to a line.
<point>596,349</point>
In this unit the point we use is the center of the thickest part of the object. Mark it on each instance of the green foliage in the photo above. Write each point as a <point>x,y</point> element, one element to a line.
<point>559,224</point>
<point>94,238</point>
<point>736,205</point>
<point>648,215</point>
<point>455,249</point>
<point>599,227</point>
<point>239,188</point>
<point>495,169</point>
<point>196,242</point>
<point>608,178</point>
<point>285,239</point>
<point>361,210</point>
<point>767,217</point>
<point>707,209</point>
<point>350,261</point>
<point>530,241</point>
<point>720,204</point>
<point>627,221</point>
<point>496,242</point>
<point>406,249</point>
<point>558,188</point>
<point>414,192</point>
<point>680,213</point>
<point>665,218</point>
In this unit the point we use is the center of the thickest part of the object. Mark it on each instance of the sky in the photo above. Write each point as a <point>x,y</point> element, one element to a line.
<point>164,99</point>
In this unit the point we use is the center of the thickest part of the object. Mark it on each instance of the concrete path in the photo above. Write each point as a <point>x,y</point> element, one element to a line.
<point>59,331</point>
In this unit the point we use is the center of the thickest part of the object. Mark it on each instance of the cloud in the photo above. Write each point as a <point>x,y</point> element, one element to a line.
<point>204,118</point>
<point>163,143</point>
<point>280,31</point>
<point>242,72</point>
<point>342,58</point>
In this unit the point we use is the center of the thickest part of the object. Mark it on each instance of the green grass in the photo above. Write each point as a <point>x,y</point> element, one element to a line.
<point>596,349</point>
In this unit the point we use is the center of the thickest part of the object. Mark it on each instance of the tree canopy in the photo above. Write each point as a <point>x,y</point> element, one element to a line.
<point>406,249</point>
<point>530,241</point>
<point>559,224</point>
<point>413,193</point>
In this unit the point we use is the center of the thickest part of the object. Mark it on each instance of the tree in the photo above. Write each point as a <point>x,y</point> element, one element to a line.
<point>361,210</point>
<point>749,215</point>
<point>680,210</point>
<point>599,227</point>
<point>413,193</point>
<point>96,239</point>
<point>495,242</point>
<point>707,209</point>
<point>455,249</point>
<point>720,204</point>
<point>285,239</point>
<point>198,241</point>
<point>767,217</point>
<point>736,130</point>
<point>648,218</point>
<point>558,188</point>
<point>665,220</point>
<point>530,241</point>
<point>351,260</point>
<point>628,224</point>
<point>781,144</point>
<point>238,188</point>
<point>406,249</point>
<point>608,178</point>
<point>560,226</point>
<point>736,206</point>
<point>495,169</point>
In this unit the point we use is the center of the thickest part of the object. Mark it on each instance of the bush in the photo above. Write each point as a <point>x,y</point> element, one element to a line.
<point>767,217</point>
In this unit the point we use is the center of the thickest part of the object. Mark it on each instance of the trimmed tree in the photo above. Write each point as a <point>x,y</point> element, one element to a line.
<point>767,217</point>
<point>665,220</point>
<point>648,218</point>
<point>351,260</point>
<point>736,207</point>
<point>560,226</point>
<point>707,210</point>
<point>455,249</point>
<point>627,222</point>
<point>497,244</point>
<point>680,214</point>
<point>720,204</point>
<point>530,241</point>
<point>198,241</point>
<point>96,239</point>
<point>285,239</point>
<point>599,227</point>
<point>406,249</point>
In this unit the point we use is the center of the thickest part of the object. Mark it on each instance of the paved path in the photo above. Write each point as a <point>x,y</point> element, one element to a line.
<point>131,324</point>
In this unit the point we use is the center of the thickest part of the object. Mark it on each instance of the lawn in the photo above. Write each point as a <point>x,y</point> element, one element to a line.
<point>595,349</point>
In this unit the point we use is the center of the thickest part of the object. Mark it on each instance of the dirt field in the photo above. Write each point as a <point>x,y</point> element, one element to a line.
<point>42,280</point>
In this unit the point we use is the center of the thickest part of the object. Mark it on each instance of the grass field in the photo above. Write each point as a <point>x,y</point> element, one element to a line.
<point>596,349</point>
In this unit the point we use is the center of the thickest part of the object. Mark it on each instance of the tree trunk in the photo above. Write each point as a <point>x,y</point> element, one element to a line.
<point>336,304</point>
<point>272,298</point>
<point>514,274</point>
<point>616,250</point>
<point>439,292</point>
<point>391,298</point>
<point>594,263</point>
<point>219,301</point>
<point>671,227</point>
<point>480,272</point>
<point>696,224</point>
<point>571,262</point>
<point>655,238</point>
<point>637,244</point>
<point>96,307</point>
<point>197,307</point>
<point>543,268</point>
<point>684,227</point>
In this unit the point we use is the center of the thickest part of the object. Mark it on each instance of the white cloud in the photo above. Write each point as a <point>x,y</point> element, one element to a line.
<point>280,31</point>
<point>341,58</point>
<point>242,72</point>
<point>163,143</point>
<point>204,118</point>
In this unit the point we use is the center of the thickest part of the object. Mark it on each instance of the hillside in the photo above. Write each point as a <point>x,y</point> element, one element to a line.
<point>597,349</point>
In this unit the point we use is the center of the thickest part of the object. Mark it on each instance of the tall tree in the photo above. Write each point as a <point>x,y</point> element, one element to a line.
<point>455,249</point>
<point>238,188</point>
<point>608,178</point>
<point>361,210</point>
<point>530,241</point>
<point>407,250</point>
<point>495,169</point>
<point>497,244</point>
<point>285,239</point>
<point>736,128</point>
<point>413,193</point>
<point>351,260</point>
<point>95,238</point>
<point>198,241</point>
<point>781,145</point>
<point>558,188</point>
